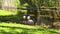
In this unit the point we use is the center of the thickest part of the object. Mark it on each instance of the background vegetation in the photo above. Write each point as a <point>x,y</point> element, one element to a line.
<point>43,13</point>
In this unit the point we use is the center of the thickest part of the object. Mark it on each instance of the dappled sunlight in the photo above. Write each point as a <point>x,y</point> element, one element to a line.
<point>6,13</point>
<point>29,17</point>
<point>11,28</point>
<point>18,25</point>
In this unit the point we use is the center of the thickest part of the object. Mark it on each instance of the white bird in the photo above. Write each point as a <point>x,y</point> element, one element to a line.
<point>30,21</point>
<point>28,17</point>
<point>24,17</point>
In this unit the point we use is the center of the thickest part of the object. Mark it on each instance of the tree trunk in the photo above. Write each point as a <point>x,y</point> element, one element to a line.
<point>38,12</point>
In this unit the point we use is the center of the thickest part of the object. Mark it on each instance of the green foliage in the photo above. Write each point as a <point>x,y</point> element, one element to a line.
<point>16,2</point>
<point>48,3</point>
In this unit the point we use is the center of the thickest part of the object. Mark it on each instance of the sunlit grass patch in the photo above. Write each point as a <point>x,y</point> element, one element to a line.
<point>13,28</point>
<point>4,13</point>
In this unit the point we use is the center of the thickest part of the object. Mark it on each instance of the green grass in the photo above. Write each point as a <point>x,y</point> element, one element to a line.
<point>5,13</point>
<point>10,28</point>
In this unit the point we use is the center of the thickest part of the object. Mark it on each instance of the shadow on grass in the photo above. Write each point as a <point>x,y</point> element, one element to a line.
<point>4,32</point>
<point>25,30</point>
<point>12,30</point>
<point>12,18</point>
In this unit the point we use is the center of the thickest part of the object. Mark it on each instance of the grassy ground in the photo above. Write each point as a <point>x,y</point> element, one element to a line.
<point>5,13</point>
<point>10,28</point>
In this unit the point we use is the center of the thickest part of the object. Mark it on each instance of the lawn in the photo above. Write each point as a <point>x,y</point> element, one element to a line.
<point>13,28</point>
<point>5,13</point>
